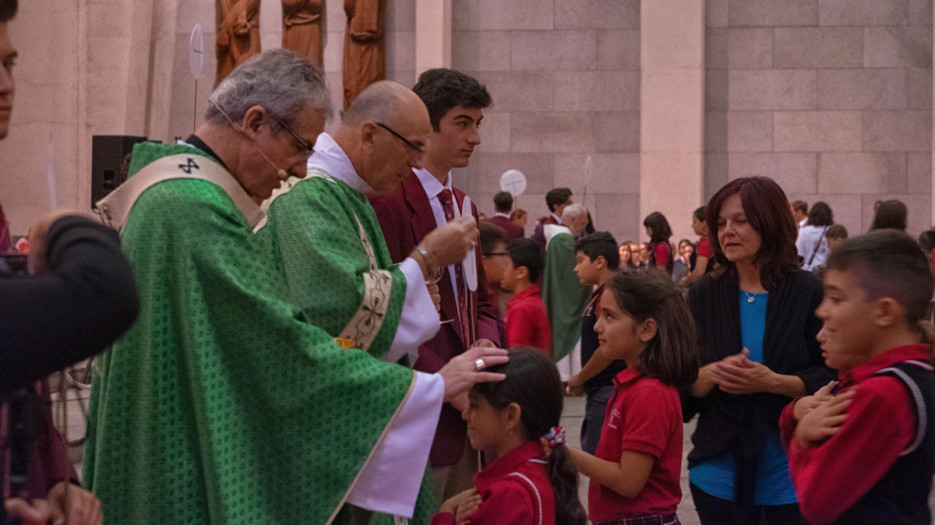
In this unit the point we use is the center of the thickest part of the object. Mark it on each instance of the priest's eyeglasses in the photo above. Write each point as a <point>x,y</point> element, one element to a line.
<point>303,146</point>
<point>415,150</point>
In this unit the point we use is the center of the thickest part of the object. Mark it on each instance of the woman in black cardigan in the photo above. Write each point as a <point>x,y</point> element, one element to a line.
<point>757,326</point>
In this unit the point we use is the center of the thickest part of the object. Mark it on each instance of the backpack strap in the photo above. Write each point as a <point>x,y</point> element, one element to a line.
<point>533,490</point>
<point>817,245</point>
<point>915,392</point>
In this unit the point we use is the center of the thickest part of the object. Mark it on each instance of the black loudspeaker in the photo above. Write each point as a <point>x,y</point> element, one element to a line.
<point>110,160</point>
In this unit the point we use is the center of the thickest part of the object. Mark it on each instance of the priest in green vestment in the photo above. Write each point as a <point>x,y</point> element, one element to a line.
<point>224,403</point>
<point>325,232</point>
<point>563,294</point>
<point>334,258</point>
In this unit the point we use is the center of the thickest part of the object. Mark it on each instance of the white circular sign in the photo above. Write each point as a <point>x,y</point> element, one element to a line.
<point>196,52</point>
<point>513,181</point>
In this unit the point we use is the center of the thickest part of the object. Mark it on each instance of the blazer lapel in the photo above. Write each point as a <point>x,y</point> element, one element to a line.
<point>422,223</point>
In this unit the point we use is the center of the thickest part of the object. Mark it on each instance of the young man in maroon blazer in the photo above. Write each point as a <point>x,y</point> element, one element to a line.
<point>503,204</point>
<point>424,201</point>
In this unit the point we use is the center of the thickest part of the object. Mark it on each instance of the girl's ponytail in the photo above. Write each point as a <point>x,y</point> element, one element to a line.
<point>563,476</point>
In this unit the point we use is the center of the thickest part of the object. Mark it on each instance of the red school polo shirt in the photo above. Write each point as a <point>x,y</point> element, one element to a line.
<point>527,322</point>
<point>643,415</point>
<point>515,489</point>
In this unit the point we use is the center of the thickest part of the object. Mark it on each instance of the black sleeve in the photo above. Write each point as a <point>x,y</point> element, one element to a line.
<point>85,301</point>
<point>817,374</point>
<point>691,405</point>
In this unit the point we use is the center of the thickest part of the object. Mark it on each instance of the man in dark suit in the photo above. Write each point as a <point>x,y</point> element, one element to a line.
<point>502,205</point>
<point>424,201</point>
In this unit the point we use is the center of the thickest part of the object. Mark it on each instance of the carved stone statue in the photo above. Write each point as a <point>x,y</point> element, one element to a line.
<point>364,46</point>
<point>238,25</point>
<point>301,28</point>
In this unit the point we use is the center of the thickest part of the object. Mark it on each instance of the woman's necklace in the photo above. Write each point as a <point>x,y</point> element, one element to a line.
<point>750,297</point>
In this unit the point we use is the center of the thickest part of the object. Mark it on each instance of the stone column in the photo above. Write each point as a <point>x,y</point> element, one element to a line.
<point>672,111</point>
<point>433,34</point>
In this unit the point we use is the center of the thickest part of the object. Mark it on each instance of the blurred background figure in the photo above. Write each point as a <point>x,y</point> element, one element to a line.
<point>891,214</point>
<point>519,218</point>
<point>659,232</point>
<point>812,242</point>
<point>503,205</point>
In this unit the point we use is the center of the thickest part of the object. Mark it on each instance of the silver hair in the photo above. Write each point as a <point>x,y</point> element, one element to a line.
<point>573,210</point>
<point>280,80</point>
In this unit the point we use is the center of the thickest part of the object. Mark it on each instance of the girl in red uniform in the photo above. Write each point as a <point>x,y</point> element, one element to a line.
<point>704,254</point>
<point>635,471</point>
<point>657,227</point>
<point>511,416</point>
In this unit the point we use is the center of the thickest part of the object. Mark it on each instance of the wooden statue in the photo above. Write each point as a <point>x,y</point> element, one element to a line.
<point>364,46</point>
<point>301,28</point>
<point>238,25</point>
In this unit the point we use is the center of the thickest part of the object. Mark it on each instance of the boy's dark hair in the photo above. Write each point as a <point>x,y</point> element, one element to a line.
<point>801,206</point>
<point>503,202</point>
<point>766,207</point>
<point>557,197</point>
<point>672,355</point>
<point>526,252</point>
<point>927,240</point>
<point>888,263</point>
<point>836,231</point>
<point>820,215</point>
<point>533,383</point>
<point>442,89</point>
<point>701,213</point>
<point>892,214</point>
<point>599,244</point>
<point>7,10</point>
<point>490,236</point>
<point>660,226</point>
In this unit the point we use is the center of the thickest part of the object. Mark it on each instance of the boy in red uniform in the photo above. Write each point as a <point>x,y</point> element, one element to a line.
<point>526,321</point>
<point>861,450</point>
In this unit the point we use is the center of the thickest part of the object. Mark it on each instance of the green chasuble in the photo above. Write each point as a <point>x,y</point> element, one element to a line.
<point>563,294</point>
<point>222,404</point>
<point>332,254</point>
<point>335,261</point>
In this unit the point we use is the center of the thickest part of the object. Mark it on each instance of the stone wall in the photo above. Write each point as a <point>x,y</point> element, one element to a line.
<point>565,82</point>
<point>119,67</point>
<point>832,98</point>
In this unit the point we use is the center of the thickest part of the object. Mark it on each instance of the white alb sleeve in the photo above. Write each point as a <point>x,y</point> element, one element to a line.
<point>390,480</point>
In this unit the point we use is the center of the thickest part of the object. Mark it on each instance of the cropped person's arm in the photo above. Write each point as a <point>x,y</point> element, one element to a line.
<point>701,264</point>
<point>647,424</point>
<point>85,299</point>
<point>628,477</point>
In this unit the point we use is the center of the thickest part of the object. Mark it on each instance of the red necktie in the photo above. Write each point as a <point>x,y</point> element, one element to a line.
<point>446,199</point>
